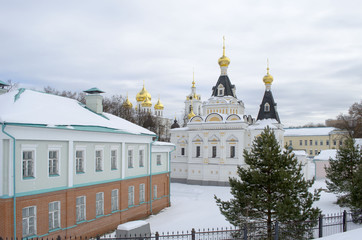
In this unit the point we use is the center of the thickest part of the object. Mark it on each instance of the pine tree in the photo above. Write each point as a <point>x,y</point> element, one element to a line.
<point>272,188</point>
<point>341,173</point>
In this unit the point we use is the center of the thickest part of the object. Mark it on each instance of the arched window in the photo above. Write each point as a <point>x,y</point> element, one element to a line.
<point>266,107</point>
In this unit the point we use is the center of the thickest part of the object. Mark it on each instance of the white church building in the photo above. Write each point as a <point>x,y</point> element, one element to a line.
<point>210,147</point>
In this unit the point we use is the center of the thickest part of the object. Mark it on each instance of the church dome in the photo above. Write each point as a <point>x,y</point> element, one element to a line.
<point>143,94</point>
<point>159,105</point>
<point>175,124</point>
<point>191,114</point>
<point>224,61</point>
<point>127,103</point>
<point>268,79</point>
<point>146,103</point>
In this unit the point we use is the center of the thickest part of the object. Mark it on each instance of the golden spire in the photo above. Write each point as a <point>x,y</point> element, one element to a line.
<point>224,61</point>
<point>268,79</point>
<point>193,79</point>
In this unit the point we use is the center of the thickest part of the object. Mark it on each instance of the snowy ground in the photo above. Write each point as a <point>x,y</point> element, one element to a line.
<point>193,206</point>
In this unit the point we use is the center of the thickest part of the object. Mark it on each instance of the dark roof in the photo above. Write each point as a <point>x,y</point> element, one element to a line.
<point>272,113</point>
<point>225,81</point>
<point>93,90</point>
<point>3,83</point>
<point>175,124</point>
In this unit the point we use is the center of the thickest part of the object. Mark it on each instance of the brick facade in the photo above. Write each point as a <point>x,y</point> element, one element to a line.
<point>93,225</point>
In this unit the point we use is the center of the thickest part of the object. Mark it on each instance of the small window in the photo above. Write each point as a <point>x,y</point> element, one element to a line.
<point>327,142</point>
<point>232,151</point>
<point>141,156</point>
<point>321,143</point>
<point>130,158</point>
<point>99,204</point>
<point>158,159</point>
<point>310,152</point>
<point>29,221</point>
<point>290,143</point>
<point>182,151</point>
<point>142,192</point>
<point>113,159</point>
<point>220,92</point>
<point>99,160</point>
<point>340,142</point>
<point>130,195</point>
<point>79,159</point>
<point>316,152</point>
<point>316,142</point>
<point>53,162</point>
<point>310,142</point>
<point>334,142</point>
<point>154,191</point>
<point>54,215</point>
<point>28,164</point>
<point>198,151</point>
<point>266,107</point>
<point>80,209</point>
<point>114,200</point>
<point>306,142</point>
<point>301,142</point>
<point>214,151</point>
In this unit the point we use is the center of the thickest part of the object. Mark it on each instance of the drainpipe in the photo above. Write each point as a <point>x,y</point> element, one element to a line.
<point>14,190</point>
<point>169,176</point>
<point>151,173</point>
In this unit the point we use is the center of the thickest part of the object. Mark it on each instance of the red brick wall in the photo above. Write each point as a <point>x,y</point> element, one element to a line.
<point>95,226</point>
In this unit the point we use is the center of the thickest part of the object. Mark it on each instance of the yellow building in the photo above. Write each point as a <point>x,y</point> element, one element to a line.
<point>313,140</point>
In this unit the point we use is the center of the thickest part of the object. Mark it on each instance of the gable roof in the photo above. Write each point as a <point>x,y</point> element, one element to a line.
<point>29,107</point>
<point>272,113</point>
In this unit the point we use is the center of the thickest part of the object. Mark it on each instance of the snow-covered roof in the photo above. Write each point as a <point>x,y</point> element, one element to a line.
<point>158,143</point>
<point>33,107</point>
<point>261,124</point>
<point>300,152</point>
<point>325,155</point>
<point>313,131</point>
<point>132,225</point>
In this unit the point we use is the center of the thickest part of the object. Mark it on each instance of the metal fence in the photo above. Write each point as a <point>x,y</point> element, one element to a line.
<point>326,225</point>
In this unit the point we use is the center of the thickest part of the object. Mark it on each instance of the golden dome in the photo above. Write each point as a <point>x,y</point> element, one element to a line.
<point>159,105</point>
<point>191,114</point>
<point>127,103</point>
<point>224,61</point>
<point>268,79</point>
<point>146,102</point>
<point>143,94</point>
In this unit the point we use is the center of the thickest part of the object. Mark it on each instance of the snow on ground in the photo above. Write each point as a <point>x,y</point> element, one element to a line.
<point>350,235</point>
<point>194,206</point>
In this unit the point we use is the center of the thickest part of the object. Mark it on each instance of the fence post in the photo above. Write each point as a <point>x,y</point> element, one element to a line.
<point>193,234</point>
<point>245,231</point>
<point>320,225</point>
<point>157,236</point>
<point>344,221</point>
<point>276,236</point>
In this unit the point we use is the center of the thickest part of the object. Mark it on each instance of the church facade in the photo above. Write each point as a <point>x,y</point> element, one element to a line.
<point>210,147</point>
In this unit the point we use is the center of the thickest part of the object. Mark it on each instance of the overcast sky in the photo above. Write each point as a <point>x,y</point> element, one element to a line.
<point>314,49</point>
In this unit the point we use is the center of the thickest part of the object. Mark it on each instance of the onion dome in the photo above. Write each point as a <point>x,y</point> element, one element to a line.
<point>268,79</point>
<point>143,94</point>
<point>191,114</point>
<point>224,61</point>
<point>159,105</point>
<point>175,124</point>
<point>146,103</point>
<point>127,103</point>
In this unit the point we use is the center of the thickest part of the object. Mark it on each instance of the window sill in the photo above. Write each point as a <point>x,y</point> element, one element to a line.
<point>99,170</point>
<point>28,178</point>
<point>80,172</point>
<point>114,169</point>
<point>54,175</point>
<point>99,216</point>
<point>82,221</point>
<point>54,229</point>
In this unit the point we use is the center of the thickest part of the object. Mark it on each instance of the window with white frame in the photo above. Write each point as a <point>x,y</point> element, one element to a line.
<point>28,163</point>
<point>80,208</point>
<point>99,204</point>
<point>232,151</point>
<point>130,195</point>
<point>183,151</point>
<point>198,151</point>
<point>220,90</point>
<point>113,159</point>
<point>154,191</point>
<point>158,159</point>
<point>54,215</point>
<point>99,160</point>
<point>214,151</point>
<point>29,221</point>
<point>114,200</point>
<point>142,192</point>
<point>79,160</point>
<point>53,162</point>
<point>130,158</point>
<point>141,154</point>
<point>266,107</point>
